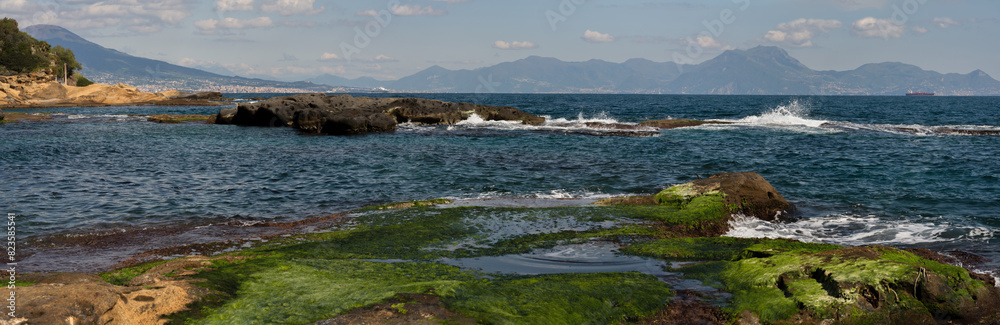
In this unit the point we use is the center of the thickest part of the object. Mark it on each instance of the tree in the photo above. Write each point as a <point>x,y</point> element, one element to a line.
<point>63,57</point>
<point>21,53</point>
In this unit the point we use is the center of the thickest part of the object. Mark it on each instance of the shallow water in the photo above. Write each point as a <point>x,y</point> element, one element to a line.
<point>861,170</point>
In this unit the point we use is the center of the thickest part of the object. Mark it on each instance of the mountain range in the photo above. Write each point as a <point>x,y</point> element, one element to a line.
<point>763,70</point>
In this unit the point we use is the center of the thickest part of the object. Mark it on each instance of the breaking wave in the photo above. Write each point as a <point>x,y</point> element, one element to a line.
<point>855,230</point>
<point>795,116</point>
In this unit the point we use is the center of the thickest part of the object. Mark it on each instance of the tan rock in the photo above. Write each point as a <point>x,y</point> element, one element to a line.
<point>45,91</point>
<point>67,298</point>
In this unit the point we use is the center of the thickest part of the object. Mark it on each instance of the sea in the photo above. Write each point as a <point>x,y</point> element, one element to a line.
<point>859,170</point>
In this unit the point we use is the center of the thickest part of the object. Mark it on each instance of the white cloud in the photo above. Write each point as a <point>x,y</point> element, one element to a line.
<point>234,5</point>
<point>708,42</point>
<point>515,45</point>
<point>800,32</point>
<point>597,37</point>
<point>384,58</point>
<point>367,13</point>
<point>18,6</point>
<point>946,22</point>
<point>329,57</point>
<point>209,26</point>
<point>453,1</point>
<point>139,17</point>
<point>919,30</point>
<point>871,27</point>
<point>414,10</point>
<point>292,7</point>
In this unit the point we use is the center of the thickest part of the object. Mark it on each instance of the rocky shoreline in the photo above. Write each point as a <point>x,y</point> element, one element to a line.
<point>384,263</point>
<point>39,90</point>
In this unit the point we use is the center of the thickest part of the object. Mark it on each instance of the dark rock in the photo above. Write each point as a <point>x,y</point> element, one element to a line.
<point>2,115</point>
<point>346,114</point>
<point>677,123</point>
<point>225,116</point>
<point>206,95</point>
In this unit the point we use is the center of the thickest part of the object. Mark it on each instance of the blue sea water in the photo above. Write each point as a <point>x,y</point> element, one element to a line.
<point>861,170</point>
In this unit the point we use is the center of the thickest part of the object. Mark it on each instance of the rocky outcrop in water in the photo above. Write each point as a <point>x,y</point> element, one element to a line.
<point>347,115</point>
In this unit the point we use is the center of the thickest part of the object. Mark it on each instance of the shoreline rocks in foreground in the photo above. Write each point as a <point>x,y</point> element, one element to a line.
<point>349,115</point>
<point>390,264</point>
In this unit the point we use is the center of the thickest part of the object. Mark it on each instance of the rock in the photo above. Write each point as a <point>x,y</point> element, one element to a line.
<point>1,113</point>
<point>167,118</point>
<point>205,95</point>
<point>745,193</point>
<point>225,116</point>
<point>705,207</point>
<point>70,298</point>
<point>346,114</point>
<point>677,123</point>
<point>749,193</point>
<point>46,91</point>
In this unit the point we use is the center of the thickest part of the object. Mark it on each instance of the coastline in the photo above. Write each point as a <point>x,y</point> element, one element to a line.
<point>39,90</point>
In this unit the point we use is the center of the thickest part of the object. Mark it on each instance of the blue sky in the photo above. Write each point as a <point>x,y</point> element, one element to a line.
<point>389,39</point>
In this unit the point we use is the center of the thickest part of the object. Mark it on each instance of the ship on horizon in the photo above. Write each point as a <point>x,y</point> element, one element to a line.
<point>918,93</point>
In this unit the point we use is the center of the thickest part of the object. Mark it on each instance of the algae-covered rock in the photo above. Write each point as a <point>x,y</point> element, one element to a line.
<point>746,193</point>
<point>811,283</point>
<point>704,207</point>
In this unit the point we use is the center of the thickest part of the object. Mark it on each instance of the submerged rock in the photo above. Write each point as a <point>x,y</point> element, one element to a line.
<point>346,114</point>
<point>677,123</point>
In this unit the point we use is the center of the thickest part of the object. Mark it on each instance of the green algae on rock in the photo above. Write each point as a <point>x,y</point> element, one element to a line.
<point>782,280</point>
<point>705,207</point>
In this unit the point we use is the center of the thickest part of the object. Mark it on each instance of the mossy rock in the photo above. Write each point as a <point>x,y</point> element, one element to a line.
<point>407,205</point>
<point>704,207</point>
<point>782,281</point>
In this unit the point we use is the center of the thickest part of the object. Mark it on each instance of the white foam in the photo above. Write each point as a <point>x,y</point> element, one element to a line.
<point>118,117</point>
<point>852,230</point>
<point>598,124</point>
<point>791,114</point>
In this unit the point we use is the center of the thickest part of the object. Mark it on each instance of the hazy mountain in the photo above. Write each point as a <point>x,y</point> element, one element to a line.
<point>331,80</point>
<point>761,70</point>
<point>111,66</point>
<point>544,75</point>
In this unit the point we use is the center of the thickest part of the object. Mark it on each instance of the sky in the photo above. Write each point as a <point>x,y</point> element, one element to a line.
<point>389,39</point>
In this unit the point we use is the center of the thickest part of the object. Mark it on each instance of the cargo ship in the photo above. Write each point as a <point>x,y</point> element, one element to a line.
<point>911,93</point>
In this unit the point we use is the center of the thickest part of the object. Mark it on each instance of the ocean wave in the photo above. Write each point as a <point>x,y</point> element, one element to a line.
<point>116,117</point>
<point>855,230</point>
<point>795,116</point>
<point>792,114</point>
<point>600,124</point>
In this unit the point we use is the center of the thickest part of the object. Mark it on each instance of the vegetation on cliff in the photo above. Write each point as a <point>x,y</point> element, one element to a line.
<point>20,53</point>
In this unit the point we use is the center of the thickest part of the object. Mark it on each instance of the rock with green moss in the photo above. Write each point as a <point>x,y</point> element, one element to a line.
<point>792,282</point>
<point>705,207</point>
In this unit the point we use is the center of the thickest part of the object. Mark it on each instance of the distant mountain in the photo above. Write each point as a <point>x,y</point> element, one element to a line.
<point>761,70</point>
<point>111,66</point>
<point>363,82</point>
<point>544,75</point>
